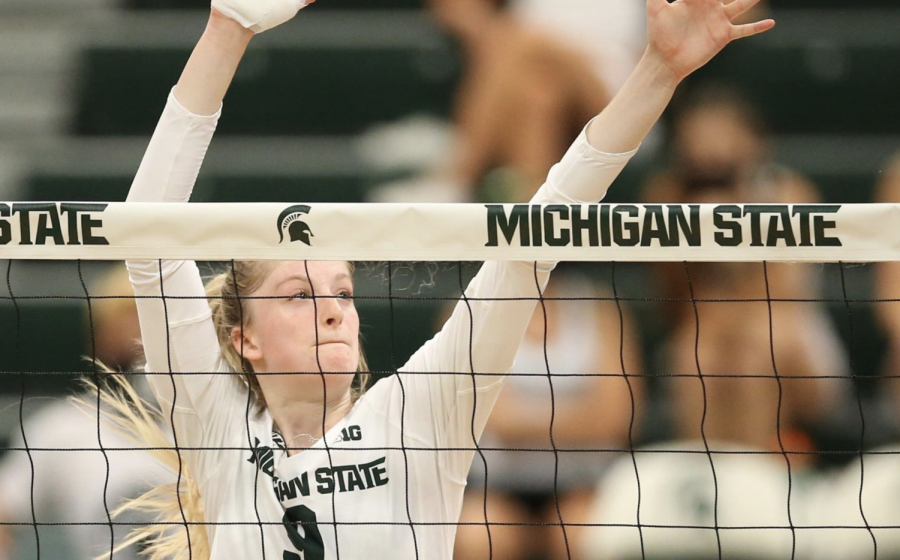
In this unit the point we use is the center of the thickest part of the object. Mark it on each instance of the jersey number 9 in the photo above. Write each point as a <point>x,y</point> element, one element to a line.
<point>311,545</point>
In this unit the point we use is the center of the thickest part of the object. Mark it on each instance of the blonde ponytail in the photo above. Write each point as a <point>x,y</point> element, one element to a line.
<point>127,414</point>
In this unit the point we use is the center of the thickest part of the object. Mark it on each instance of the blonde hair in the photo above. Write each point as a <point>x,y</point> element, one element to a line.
<point>139,421</point>
<point>172,504</point>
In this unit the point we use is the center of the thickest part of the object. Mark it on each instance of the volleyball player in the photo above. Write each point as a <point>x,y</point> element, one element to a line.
<point>326,478</point>
<point>719,153</point>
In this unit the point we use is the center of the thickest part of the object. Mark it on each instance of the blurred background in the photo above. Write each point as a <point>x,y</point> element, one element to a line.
<point>474,100</point>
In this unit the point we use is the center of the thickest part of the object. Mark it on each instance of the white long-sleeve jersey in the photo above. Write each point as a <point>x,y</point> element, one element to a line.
<point>352,494</point>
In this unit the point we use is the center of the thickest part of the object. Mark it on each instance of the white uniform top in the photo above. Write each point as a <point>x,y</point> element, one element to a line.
<point>361,492</point>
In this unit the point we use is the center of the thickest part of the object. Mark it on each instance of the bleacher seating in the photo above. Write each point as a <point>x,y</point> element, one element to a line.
<point>50,336</point>
<point>844,168</point>
<point>212,188</point>
<point>820,74</point>
<point>414,323</point>
<point>238,169</point>
<point>334,74</point>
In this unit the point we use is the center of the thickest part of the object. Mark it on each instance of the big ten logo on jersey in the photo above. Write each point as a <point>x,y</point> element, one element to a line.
<point>350,433</point>
<point>49,223</point>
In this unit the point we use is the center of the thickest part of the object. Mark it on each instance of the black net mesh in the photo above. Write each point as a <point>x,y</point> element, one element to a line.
<point>711,410</point>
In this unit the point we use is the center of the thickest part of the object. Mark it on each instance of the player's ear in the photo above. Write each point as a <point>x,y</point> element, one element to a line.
<point>243,342</point>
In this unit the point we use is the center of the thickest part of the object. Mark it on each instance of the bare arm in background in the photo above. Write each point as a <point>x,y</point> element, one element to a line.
<point>887,280</point>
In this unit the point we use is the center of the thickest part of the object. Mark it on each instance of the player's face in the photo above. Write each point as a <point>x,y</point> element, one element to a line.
<point>294,332</point>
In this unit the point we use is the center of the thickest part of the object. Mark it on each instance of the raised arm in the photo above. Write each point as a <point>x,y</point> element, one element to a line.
<point>682,37</point>
<point>178,334</point>
<point>482,336</point>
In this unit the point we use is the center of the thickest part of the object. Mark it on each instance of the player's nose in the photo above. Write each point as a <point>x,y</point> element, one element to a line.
<point>331,314</point>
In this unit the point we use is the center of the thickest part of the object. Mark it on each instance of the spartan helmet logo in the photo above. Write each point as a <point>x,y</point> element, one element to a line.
<point>297,229</point>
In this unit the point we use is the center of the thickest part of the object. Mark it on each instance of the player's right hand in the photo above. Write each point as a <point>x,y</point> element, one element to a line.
<point>260,15</point>
<point>686,34</point>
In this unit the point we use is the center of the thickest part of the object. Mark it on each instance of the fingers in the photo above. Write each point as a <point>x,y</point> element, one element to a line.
<point>738,7</point>
<point>750,29</point>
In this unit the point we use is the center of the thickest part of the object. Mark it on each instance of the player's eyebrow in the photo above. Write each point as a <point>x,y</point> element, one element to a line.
<point>305,280</point>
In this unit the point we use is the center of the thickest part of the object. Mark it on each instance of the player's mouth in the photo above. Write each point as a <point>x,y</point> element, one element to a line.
<point>333,342</point>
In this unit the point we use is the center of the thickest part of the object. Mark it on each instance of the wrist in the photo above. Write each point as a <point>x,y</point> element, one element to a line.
<point>225,30</point>
<point>658,71</point>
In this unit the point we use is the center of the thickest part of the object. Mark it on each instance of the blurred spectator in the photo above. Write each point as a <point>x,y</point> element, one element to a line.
<point>719,146</point>
<point>610,34</point>
<point>536,71</point>
<point>887,280</point>
<point>872,491</point>
<point>68,476</point>
<point>749,412</point>
<point>582,337</point>
<point>70,479</point>
<point>719,154</point>
<point>532,81</point>
<point>117,332</point>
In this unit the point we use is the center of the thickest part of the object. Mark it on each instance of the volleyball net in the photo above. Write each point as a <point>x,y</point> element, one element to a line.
<point>706,381</point>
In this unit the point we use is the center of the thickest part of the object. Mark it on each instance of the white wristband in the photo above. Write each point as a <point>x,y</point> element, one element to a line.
<point>259,15</point>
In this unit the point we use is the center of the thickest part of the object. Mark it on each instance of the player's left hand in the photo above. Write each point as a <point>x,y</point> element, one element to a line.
<point>686,34</point>
<point>260,15</point>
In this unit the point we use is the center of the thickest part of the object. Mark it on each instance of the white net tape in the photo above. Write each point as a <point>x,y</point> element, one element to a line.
<point>452,232</point>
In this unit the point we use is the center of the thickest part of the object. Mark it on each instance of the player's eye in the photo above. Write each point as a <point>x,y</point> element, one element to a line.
<point>345,294</point>
<point>303,294</point>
